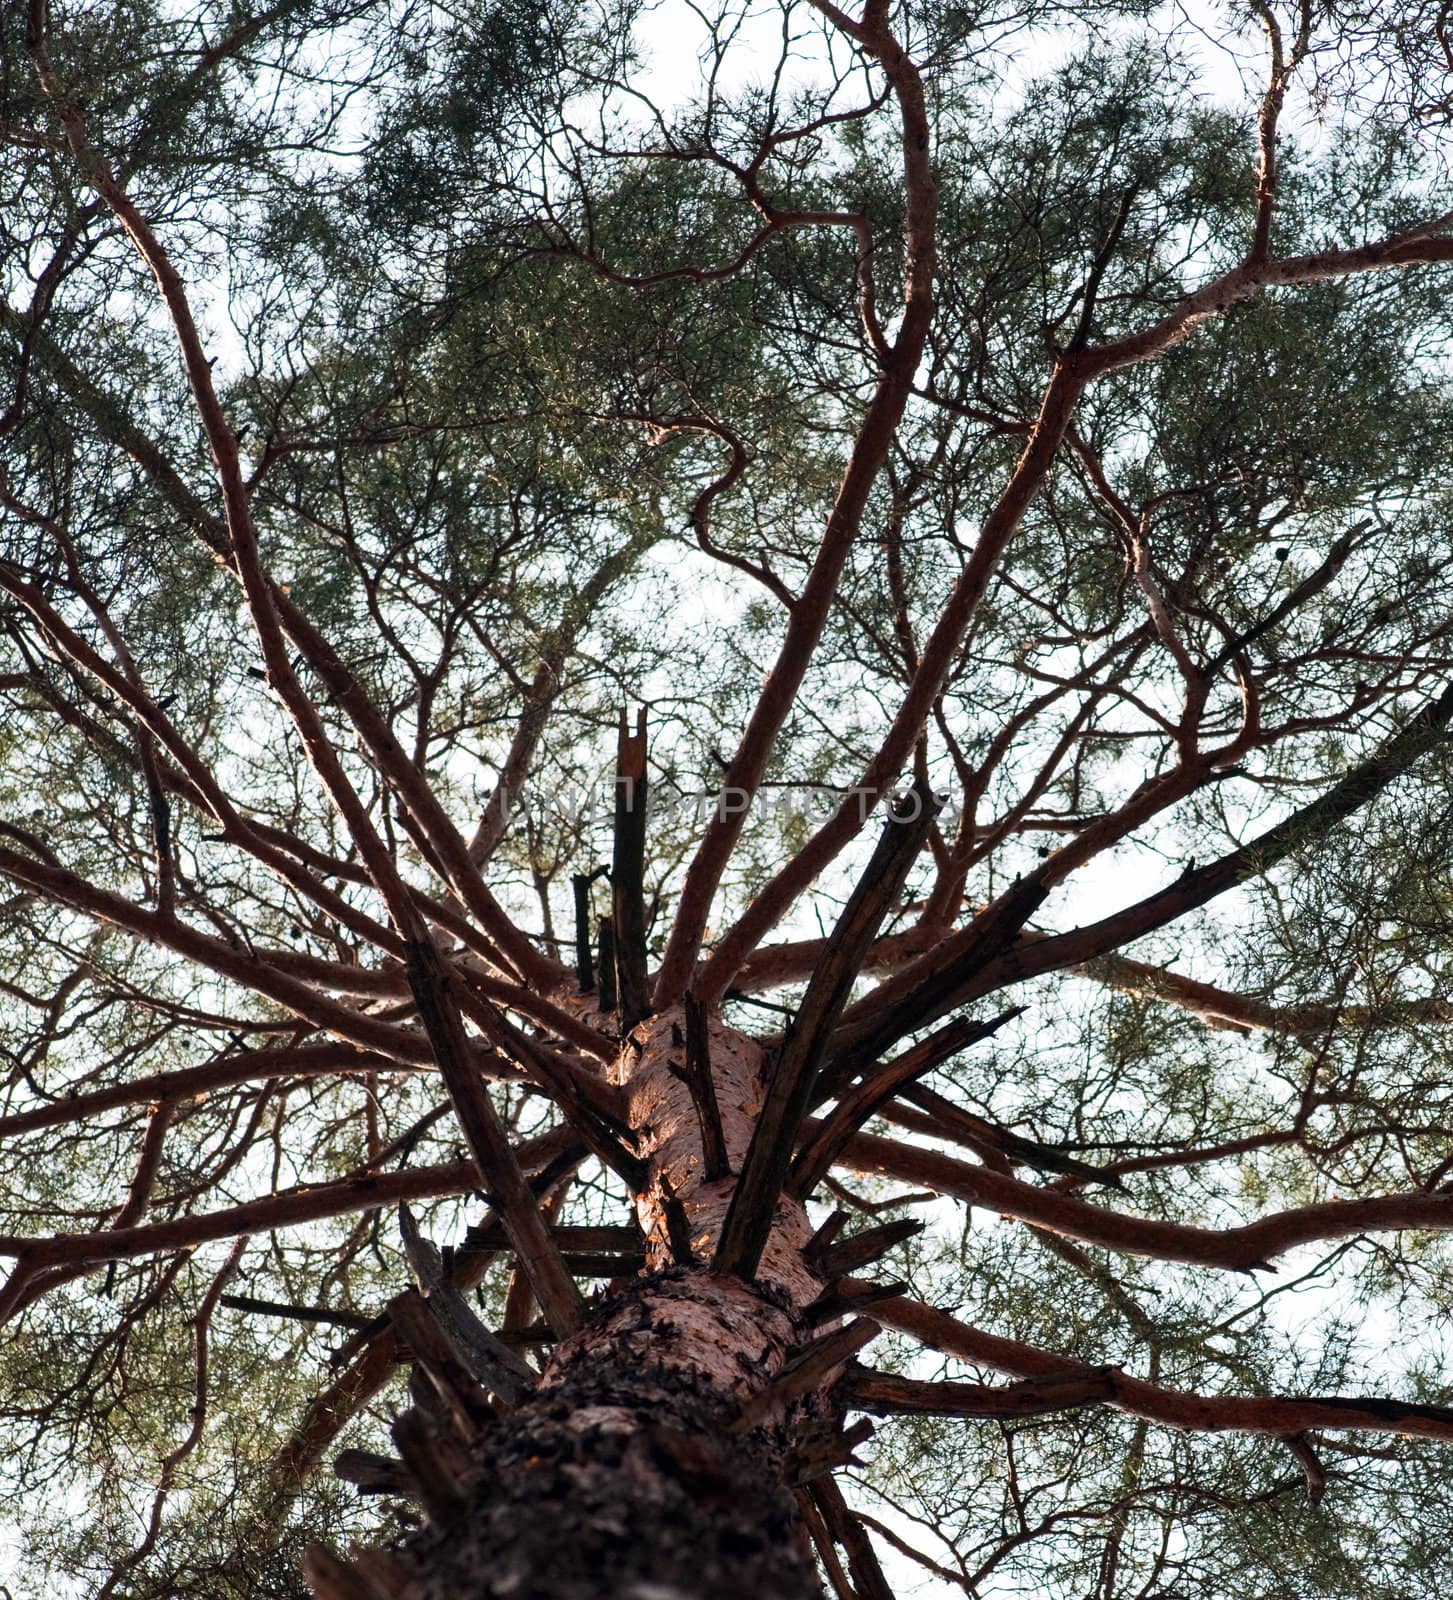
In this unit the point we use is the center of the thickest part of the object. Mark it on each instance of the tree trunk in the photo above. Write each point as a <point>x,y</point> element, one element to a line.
<point>622,1477</point>
<point>627,1473</point>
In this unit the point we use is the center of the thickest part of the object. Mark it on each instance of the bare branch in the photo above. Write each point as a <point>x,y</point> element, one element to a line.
<point>769,1156</point>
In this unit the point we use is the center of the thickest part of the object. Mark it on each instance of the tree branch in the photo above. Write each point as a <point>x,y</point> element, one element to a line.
<point>768,1159</point>
<point>1277,1416</point>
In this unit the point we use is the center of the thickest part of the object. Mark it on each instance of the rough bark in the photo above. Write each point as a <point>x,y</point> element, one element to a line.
<point>654,1460</point>
<point>622,1476</point>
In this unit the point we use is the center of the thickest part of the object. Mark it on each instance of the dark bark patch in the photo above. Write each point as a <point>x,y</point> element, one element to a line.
<point>621,1478</point>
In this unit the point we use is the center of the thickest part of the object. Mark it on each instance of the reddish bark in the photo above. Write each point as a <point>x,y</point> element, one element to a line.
<point>653,1459</point>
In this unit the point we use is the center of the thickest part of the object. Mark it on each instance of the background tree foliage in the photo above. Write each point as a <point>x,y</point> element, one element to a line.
<point>546,333</point>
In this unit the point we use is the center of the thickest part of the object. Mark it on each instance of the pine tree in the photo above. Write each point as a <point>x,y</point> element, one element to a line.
<point>721,727</point>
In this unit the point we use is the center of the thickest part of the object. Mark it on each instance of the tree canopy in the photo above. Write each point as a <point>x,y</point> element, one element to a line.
<point>1039,408</point>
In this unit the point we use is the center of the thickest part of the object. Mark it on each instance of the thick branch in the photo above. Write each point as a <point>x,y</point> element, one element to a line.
<point>1275,1415</point>
<point>810,610</point>
<point>1238,1249</point>
<point>764,1171</point>
<point>856,1107</point>
<point>539,1258</point>
<point>993,955</point>
<point>481,1354</point>
<point>886,1395</point>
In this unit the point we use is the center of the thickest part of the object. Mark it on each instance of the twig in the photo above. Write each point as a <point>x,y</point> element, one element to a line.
<point>607,964</point>
<point>371,1473</point>
<point>1316,1474</point>
<point>333,1578</point>
<point>442,1491</point>
<point>275,1308</point>
<point>584,963</point>
<point>833,1260</point>
<point>845,1528</point>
